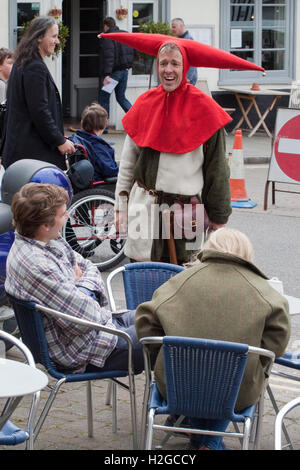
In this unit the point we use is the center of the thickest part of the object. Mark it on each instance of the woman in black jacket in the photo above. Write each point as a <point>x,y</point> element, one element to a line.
<point>34,121</point>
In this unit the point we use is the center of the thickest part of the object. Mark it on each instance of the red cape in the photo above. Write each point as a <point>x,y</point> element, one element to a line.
<point>180,121</point>
<point>176,122</point>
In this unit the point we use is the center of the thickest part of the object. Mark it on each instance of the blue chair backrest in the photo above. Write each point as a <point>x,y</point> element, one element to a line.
<point>30,322</point>
<point>289,359</point>
<point>203,376</point>
<point>142,279</point>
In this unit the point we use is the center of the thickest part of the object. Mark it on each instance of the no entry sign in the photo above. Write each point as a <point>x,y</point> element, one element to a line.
<point>285,158</point>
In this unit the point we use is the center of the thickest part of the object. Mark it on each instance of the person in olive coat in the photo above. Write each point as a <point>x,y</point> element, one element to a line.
<point>34,117</point>
<point>225,297</point>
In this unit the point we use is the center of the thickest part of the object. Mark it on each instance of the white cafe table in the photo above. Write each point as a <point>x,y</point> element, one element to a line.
<point>294,304</point>
<point>17,380</point>
<point>245,93</point>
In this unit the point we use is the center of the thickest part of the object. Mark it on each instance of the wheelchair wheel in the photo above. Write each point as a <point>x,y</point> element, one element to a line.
<point>90,230</point>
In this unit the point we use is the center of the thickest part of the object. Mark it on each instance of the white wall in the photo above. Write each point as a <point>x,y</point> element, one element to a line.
<point>200,12</point>
<point>4,22</point>
<point>54,64</point>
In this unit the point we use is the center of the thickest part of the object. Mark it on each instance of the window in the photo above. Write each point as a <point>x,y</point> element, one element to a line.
<point>141,11</point>
<point>261,31</point>
<point>26,11</point>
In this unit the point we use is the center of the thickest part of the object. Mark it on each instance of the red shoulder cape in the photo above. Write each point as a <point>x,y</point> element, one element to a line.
<point>176,122</point>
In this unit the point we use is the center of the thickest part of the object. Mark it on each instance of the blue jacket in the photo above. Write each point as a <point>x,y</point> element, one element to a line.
<point>101,154</point>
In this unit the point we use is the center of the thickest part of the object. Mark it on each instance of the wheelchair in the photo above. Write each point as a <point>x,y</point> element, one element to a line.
<point>90,230</point>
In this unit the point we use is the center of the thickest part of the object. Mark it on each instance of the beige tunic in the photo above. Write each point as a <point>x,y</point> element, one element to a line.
<point>176,174</point>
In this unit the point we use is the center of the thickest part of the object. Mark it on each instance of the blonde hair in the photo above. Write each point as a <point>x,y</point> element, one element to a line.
<point>229,240</point>
<point>169,47</point>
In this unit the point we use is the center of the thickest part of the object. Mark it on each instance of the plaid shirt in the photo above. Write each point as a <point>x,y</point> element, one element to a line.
<point>44,273</point>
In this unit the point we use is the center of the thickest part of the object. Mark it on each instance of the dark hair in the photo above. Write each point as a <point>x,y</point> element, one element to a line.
<point>36,204</point>
<point>5,54</point>
<point>28,48</point>
<point>94,118</point>
<point>109,21</point>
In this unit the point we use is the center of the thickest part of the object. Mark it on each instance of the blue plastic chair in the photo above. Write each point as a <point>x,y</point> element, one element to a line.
<point>203,379</point>
<point>279,420</point>
<point>10,434</point>
<point>29,316</point>
<point>291,361</point>
<point>140,281</point>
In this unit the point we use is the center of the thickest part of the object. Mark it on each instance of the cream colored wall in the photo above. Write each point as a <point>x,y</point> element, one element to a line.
<point>54,64</point>
<point>208,12</point>
<point>200,12</point>
<point>4,22</point>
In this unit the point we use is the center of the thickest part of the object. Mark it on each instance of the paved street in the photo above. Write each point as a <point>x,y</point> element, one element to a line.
<point>275,236</point>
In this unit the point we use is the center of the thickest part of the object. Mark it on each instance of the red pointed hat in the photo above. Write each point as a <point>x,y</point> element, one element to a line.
<point>198,54</point>
<point>180,121</point>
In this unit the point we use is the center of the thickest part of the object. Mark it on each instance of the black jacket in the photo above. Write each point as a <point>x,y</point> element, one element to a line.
<point>34,117</point>
<point>114,55</point>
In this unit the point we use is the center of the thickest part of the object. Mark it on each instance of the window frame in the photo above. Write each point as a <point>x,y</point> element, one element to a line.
<point>286,76</point>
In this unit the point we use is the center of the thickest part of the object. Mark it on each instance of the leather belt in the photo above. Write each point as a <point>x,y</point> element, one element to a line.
<point>162,195</point>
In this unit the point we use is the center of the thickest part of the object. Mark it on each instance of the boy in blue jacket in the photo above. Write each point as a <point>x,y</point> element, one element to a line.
<point>94,120</point>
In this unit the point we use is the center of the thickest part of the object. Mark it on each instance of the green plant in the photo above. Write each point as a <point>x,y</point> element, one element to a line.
<point>157,28</point>
<point>63,34</point>
<point>153,28</point>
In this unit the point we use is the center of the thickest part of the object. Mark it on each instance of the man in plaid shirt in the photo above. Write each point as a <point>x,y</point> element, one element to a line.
<point>42,267</point>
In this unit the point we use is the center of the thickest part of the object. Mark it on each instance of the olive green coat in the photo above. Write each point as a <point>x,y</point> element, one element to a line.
<point>223,298</point>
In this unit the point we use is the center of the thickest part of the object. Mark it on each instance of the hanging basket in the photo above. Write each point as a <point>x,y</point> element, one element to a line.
<point>121,13</point>
<point>55,13</point>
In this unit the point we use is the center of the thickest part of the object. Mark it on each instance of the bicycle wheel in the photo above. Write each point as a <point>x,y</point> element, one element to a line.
<point>90,230</point>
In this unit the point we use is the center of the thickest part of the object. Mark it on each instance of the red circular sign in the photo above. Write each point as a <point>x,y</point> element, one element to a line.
<point>287,148</point>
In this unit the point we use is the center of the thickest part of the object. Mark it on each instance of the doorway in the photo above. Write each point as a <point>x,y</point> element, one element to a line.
<point>80,61</point>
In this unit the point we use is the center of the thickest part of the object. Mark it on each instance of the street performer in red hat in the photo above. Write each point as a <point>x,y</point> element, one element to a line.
<point>175,147</point>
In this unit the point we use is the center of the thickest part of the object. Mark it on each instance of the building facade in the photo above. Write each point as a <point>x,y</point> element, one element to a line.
<point>262,31</point>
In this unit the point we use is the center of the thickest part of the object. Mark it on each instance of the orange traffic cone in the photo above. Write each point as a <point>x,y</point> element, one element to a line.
<point>237,175</point>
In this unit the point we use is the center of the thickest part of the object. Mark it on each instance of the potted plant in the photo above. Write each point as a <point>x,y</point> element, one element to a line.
<point>63,34</point>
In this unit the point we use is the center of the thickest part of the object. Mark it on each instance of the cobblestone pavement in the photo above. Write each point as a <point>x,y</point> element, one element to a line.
<point>65,427</point>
